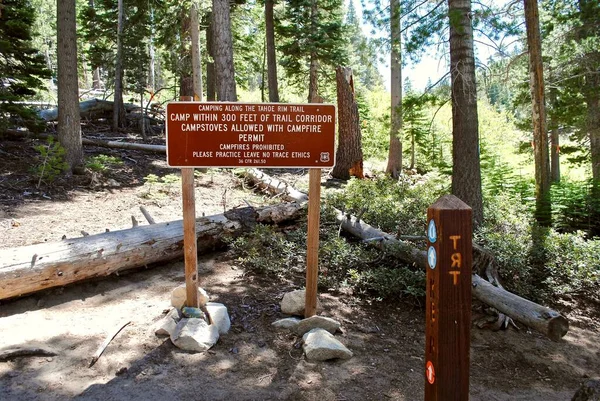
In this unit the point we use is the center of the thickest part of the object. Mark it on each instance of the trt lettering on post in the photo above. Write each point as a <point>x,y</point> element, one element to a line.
<point>448,300</point>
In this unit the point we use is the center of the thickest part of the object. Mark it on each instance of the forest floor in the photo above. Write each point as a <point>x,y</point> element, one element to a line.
<point>253,361</point>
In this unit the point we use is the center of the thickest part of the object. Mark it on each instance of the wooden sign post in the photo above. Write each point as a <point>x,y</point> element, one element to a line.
<point>190,245</point>
<point>312,249</point>
<point>448,300</point>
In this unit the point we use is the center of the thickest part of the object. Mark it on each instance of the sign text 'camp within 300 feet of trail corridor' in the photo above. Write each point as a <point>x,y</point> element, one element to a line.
<point>220,134</point>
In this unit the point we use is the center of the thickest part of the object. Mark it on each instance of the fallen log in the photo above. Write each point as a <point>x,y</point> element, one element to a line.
<point>539,318</point>
<point>32,268</point>
<point>94,142</point>
<point>87,108</point>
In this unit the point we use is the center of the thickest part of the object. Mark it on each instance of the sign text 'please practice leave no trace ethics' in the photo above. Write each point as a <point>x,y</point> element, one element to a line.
<point>220,134</point>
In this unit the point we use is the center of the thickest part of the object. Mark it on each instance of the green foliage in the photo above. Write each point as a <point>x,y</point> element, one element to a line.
<point>51,162</point>
<point>304,34</point>
<point>265,250</point>
<point>158,187</point>
<point>537,265</point>
<point>342,264</point>
<point>22,67</point>
<point>99,28</point>
<point>102,163</point>
<point>575,207</point>
<point>395,206</point>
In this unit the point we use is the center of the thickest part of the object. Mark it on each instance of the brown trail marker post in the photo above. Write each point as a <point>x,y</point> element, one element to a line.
<point>448,300</point>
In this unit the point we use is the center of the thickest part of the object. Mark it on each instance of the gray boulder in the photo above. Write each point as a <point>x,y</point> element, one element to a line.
<point>290,323</point>
<point>293,303</point>
<point>219,316</point>
<point>321,345</point>
<point>313,322</point>
<point>194,335</point>
<point>165,326</point>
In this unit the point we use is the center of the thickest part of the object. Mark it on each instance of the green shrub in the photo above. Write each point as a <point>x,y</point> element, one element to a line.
<point>102,163</point>
<point>538,264</point>
<point>265,250</point>
<point>51,162</point>
<point>574,207</point>
<point>393,206</point>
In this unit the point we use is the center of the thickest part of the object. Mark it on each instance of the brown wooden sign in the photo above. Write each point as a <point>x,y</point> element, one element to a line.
<point>448,300</point>
<point>220,134</point>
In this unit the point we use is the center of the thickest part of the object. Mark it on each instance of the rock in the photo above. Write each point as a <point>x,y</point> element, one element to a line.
<point>589,391</point>
<point>178,297</point>
<point>321,345</point>
<point>293,303</point>
<point>188,311</point>
<point>313,322</point>
<point>219,316</point>
<point>290,323</point>
<point>194,335</point>
<point>165,326</point>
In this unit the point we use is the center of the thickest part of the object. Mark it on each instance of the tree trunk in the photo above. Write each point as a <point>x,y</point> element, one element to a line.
<point>540,134</point>
<point>96,80</point>
<point>349,156</point>
<point>196,56</point>
<point>223,48</point>
<point>271,56</point>
<point>152,54</point>
<point>186,79</point>
<point>394,165</point>
<point>37,267</point>
<point>593,120</point>
<point>555,155</point>
<point>69,127</point>
<point>313,74</point>
<point>466,171</point>
<point>211,84</point>
<point>118,108</point>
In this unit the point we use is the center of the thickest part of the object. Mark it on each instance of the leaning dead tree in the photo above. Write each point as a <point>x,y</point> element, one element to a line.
<point>27,269</point>
<point>538,317</point>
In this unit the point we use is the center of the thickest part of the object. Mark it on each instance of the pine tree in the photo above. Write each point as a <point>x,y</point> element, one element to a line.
<point>22,68</point>
<point>313,42</point>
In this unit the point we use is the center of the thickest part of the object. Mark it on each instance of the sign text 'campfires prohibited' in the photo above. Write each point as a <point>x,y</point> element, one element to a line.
<point>219,134</point>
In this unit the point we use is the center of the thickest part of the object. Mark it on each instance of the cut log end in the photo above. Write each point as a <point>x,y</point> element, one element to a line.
<point>558,327</point>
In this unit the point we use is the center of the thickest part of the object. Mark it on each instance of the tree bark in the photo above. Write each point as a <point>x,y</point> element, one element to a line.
<point>555,155</point>
<point>394,165</point>
<point>32,268</point>
<point>313,73</point>
<point>593,120</point>
<point>196,56</point>
<point>349,156</point>
<point>271,56</point>
<point>69,127</point>
<point>186,79</point>
<point>540,133</point>
<point>537,317</point>
<point>466,170</point>
<point>118,108</point>
<point>211,85</point>
<point>223,48</point>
